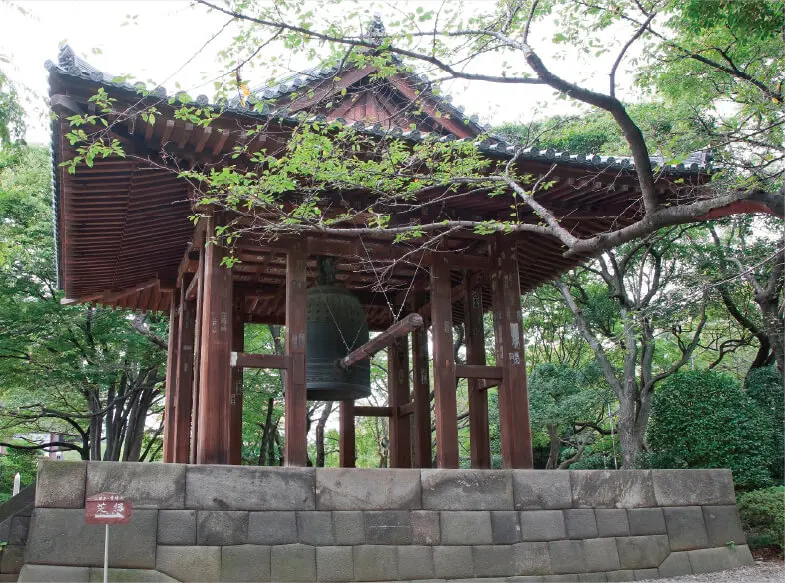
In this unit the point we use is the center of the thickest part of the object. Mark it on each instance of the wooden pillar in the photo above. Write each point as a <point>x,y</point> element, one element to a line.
<point>347,447</point>
<point>171,378</point>
<point>479,435</point>
<point>295,448</point>
<point>185,375</point>
<point>236,400</point>
<point>215,379</point>
<point>397,395</point>
<point>443,364</point>
<point>513,395</point>
<point>197,360</point>
<point>422,394</point>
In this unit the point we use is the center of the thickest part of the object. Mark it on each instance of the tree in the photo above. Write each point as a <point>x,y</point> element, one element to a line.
<point>90,374</point>
<point>703,419</point>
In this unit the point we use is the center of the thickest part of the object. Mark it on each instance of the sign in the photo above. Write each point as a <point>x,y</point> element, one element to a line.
<point>107,508</point>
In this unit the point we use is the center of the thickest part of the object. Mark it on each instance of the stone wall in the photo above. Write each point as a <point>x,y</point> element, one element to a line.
<point>211,523</point>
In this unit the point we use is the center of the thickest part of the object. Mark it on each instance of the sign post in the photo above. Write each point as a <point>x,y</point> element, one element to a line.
<point>107,508</point>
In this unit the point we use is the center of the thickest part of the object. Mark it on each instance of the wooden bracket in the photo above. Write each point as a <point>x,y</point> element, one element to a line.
<point>367,350</point>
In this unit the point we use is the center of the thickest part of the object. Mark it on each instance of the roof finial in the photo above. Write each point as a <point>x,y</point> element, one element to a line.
<point>375,32</point>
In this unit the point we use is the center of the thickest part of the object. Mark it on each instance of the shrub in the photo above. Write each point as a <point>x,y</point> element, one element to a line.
<point>763,517</point>
<point>764,385</point>
<point>703,419</point>
<point>12,462</point>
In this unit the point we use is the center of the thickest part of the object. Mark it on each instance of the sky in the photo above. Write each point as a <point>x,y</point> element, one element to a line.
<point>163,40</point>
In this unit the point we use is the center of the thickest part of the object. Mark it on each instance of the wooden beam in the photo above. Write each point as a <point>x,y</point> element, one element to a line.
<point>386,338</point>
<point>397,395</point>
<point>347,447</point>
<point>215,386</point>
<point>193,287</point>
<point>236,398</point>
<point>185,378</point>
<point>369,411</point>
<point>478,371</point>
<point>406,409</point>
<point>171,381</point>
<point>479,432</point>
<point>513,396</point>
<point>422,393</point>
<point>443,364</point>
<point>249,360</point>
<point>197,363</point>
<point>296,452</point>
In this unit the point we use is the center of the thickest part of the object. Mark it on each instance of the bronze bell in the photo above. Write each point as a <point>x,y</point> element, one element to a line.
<point>336,325</point>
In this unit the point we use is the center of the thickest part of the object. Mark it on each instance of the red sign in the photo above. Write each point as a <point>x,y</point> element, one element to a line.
<point>107,508</point>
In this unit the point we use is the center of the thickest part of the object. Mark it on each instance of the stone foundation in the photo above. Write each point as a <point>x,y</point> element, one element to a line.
<point>224,523</point>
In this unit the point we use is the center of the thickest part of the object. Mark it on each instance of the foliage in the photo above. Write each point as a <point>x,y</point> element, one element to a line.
<point>11,463</point>
<point>12,123</point>
<point>764,386</point>
<point>703,419</point>
<point>762,515</point>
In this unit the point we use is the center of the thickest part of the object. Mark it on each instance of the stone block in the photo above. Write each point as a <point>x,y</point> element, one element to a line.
<point>367,489</point>
<point>146,485</point>
<point>740,556</point>
<point>130,576</point>
<point>334,564</point>
<point>719,559</point>
<point>375,563</point>
<point>693,487</point>
<point>452,562</point>
<point>425,527</point>
<point>274,527</point>
<point>675,565</point>
<point>644,574</point>
<point>526,579</point>
<point>494,561</point>
<point>219,487</point>
<point>348,527</point>
<point>467,490</point>
<point>315,527</point>
<point>5,528</point>
<point>592,577</point>
<point>12,558</point>
<point>56,532</point>
<point>415,562</point>
<point>221,527</point>
<point>54,574</point>
<point>541,489</point>
<point>542,525</point>
<point>686,529</point>
<point>560,578</point>
<point>177,527</point>
<point>612,489</point>
<point>600,554</point>
<point>723,525</point>
<point>505,527</point>
<point>645,521</point>
<point>387,527</point>
<point>293,563</point>
<point>566,556</point>
<point>189,564</point>
<point>20,525</point>
<point>466,528</point>
<point>60,484</point>
<point>531,558</point>
<point>612,522</point>
<point>580,523</point>
<point>642,552</point>
<point>621,575</point>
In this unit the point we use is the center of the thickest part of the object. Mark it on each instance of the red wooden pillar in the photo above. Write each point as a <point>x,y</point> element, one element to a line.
<point>443,364</point>
<point>513,395</point>
<point>397,395</point>
<point>185,376</point>
<point>171,378</point>
<point>215,379</point>
<point>479,436</point>
<point>197,360</point>
<point>422,394</point>
<point>295,447</point>
<point>236,400</point>
<point>347,447</point>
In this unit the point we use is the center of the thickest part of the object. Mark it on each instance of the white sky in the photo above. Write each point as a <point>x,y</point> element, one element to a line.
<point>167,33</point>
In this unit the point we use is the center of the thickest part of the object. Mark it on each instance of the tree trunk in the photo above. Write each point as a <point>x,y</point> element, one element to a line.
<point>555,447</point>
<point>328,407</point>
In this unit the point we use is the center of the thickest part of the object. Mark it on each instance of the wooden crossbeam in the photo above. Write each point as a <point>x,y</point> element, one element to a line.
<point>367,350</point>
<point>249,360</point>
<point>478,371</point>
<point>374,411</point>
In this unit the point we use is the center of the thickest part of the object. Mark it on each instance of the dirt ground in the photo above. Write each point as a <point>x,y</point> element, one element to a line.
<point>761,572</point>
